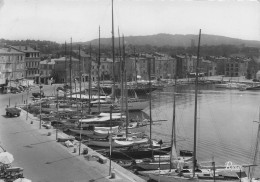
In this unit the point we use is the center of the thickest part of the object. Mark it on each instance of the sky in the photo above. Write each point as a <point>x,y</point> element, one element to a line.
<point>59,20</point>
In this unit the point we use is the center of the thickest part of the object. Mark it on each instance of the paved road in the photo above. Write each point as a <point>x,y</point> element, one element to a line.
<point>43,159</point>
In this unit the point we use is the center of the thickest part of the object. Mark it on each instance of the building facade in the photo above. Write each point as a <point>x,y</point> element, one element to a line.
<point>12,66</point>
<point>32,61</point>
<point>46,71</point>
<point>235,67</point>
<point>165,67</point>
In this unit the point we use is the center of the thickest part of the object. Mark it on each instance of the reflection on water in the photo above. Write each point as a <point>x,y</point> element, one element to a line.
<point>226,131</point>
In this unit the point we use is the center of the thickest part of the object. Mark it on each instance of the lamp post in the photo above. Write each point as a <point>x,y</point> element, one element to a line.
<point>110,139</point>
<point>40,106</point>
<point>27,100</point>
<point>57,105</point>
<point>160,143</point>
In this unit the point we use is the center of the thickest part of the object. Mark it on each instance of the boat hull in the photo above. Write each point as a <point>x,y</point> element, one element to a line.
<point>138,153</point>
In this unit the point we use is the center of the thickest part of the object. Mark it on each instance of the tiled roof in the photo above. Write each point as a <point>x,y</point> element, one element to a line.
<point>9,51</point>
<point>25,49</point>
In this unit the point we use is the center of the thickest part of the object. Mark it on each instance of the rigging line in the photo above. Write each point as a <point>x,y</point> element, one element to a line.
<point>219,138</point>
<point>253,139</point>
<point>209,146</point>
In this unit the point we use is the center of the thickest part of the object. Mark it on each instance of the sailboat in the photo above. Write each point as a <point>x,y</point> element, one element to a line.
<point>150,167</point>
<point>196,173</point>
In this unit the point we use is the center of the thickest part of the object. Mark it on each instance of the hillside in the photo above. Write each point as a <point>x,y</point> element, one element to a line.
<point>178,40</point>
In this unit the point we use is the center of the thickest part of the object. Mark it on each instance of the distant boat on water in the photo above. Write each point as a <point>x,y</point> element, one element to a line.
<point>253,88</point>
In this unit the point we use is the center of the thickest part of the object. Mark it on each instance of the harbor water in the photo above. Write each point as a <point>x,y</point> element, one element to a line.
<point>225,127</point>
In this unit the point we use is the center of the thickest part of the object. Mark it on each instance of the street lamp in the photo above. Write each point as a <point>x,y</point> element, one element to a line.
<point>40,106</point>
<point>110,139</point>
<point>27,100</point>
<point>57,105</point>
<point>160,143</point>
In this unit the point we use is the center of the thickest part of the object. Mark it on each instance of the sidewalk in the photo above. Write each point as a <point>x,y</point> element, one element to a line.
<point>121,174</point>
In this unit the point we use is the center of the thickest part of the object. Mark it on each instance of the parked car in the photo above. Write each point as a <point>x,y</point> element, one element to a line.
<point>21,88</point>
<point>38,94</point>
<point>255,80</point>
<point>15,90</point>
<point>60,88</point>
<point>47,126</point>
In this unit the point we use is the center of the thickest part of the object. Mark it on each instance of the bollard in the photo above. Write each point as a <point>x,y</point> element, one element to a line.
<point>113,175</point>
<point>75,150</point>
<point>32,122</point>
<point>85,151</point>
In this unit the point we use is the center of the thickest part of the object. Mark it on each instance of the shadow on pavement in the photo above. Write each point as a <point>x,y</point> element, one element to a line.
<point>50,162</point>
<point>24,131</point>
<point>43,142</point>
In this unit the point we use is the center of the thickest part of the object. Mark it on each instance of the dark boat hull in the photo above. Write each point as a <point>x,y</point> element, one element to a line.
<point>131,92</point>
<point>253,88</point>
<point>138,154</point>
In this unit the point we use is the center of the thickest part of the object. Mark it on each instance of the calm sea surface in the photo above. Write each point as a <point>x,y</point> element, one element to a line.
<point>225,130</point>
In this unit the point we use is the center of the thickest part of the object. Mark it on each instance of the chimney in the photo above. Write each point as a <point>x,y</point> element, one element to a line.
<point>19,47</point>
<point>9,49</point>
<point>25,48</point>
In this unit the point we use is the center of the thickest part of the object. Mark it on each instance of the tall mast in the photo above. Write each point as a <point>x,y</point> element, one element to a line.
<point>113,49</point>
<point>66,63</point>
<point>121,75</point>
<point>150,100</point>
<point>81,111</point>
<point>70,68</point>
<point>256,149</point>
<point>66,78</point>
<point>89,80</point>
<point>126,92</point>
<point>99,71</point>
<point>173,138</point>
<point>135,68</point>
<point>195,110</point>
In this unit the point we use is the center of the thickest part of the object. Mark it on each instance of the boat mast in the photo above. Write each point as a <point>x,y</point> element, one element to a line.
<point>81,112</point>
<point>121,75</point>
<point>195,110</point>
<point>113,50</point>
<point>173,138</point>
<point>256,149</point>
<point>98,72</point>
<point>135,68</point>
<point>65,71</point>
<point>89,80</point>
<point>70,69</point>
<point>150,99</point>
<point>126,91</point>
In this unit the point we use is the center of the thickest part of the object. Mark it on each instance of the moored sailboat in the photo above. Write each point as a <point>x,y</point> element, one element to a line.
<point>195,172</point>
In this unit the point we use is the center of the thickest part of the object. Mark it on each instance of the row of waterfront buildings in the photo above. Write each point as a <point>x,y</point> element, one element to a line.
<point>19,63</point>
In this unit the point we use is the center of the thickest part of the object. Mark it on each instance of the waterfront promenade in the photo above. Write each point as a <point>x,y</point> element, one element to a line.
<point>44,159</point>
